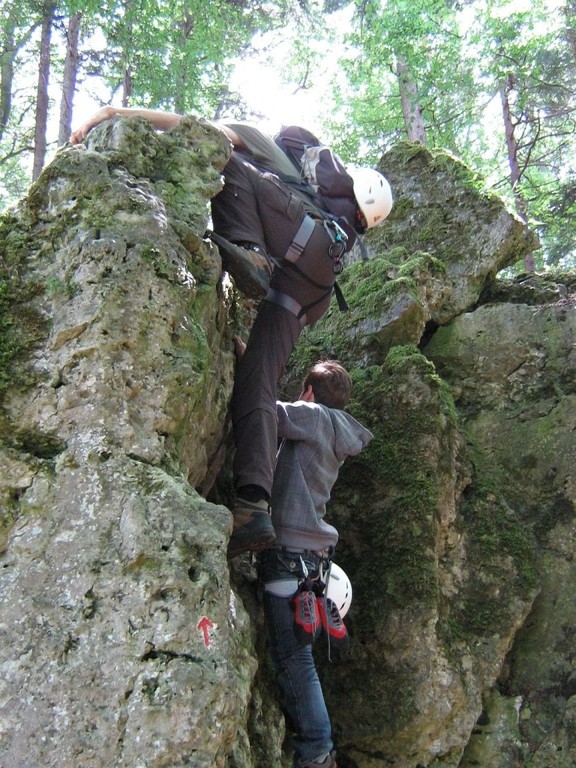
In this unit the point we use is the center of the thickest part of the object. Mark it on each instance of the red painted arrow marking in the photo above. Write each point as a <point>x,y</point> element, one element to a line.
<point>204,625</point>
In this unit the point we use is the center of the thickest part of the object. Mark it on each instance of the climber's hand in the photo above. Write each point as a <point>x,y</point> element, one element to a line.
<point>104,113</point>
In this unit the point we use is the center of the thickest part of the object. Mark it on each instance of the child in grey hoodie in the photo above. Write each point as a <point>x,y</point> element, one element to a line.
<point>317,436</point>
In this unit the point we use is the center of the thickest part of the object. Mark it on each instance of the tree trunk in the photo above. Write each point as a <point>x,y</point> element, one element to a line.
<point>183,84</point>
<point>411,108</point>
<point>9,49</point>
<point>514,165</point>
<point>69,78</point>
<point>42,93</point>
<point>570,16</point>
<point>127,87</point>
<point>511,143</point>
<point>7,56</point>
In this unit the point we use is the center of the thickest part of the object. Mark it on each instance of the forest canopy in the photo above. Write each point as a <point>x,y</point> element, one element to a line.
<point>488,80</point>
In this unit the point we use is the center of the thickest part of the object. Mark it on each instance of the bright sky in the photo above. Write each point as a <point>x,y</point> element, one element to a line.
<point>277,103</point>
<point>262,86</point>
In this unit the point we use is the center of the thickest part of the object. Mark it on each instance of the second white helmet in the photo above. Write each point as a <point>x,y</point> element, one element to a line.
<point>373,194</point>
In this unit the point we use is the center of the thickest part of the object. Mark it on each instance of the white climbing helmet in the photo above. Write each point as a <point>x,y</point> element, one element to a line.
<point>339,588</point>
<point>373,194</point>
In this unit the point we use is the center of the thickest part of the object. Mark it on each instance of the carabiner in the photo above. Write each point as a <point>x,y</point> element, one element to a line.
<point>336,250</point>
<point>337,266</point>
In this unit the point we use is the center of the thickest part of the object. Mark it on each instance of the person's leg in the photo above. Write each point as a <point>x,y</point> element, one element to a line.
<point>255,424</point>
<point>247,263</point>
<point>235,213</point>
<point>301,693</point>
<point>238,229</point>
<point>272,339</point>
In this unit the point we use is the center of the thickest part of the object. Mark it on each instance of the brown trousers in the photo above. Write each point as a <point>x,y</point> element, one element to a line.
<point>259,208</point>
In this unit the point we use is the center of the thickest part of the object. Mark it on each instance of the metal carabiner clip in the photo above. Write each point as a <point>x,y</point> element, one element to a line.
<point>336,250</point>
<point>335,231</point>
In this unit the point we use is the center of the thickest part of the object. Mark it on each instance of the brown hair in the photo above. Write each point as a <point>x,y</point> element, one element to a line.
<point>330,382</point>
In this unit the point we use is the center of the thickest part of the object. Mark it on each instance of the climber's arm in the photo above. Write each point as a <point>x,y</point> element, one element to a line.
<point>232,135</point>
<point>162,121</point>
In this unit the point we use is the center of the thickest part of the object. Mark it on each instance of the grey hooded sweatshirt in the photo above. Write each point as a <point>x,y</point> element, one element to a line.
<point>316,440</point>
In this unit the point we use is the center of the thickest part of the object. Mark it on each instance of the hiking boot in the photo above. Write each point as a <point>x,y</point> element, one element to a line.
<point>322,761</point>
<point>332,623</point>
<point>307,623</point>
<point>248,263</point>
<point>253,529</point>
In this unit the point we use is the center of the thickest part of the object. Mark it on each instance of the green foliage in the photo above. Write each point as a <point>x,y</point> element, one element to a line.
<point>56,286</point>
<point>495,49</point>
<point>424,36</point>
<point>171,54</point>
<point>553,207</point>
<point>14,179</point>
<point>178,55</point>
<point>529,63</point>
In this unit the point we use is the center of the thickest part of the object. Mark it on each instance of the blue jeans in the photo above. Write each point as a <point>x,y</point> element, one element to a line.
<point>301,698</point>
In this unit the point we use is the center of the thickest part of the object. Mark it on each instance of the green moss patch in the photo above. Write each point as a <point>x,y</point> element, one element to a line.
<point>406,406</point>
<point>503,560</point>
<point>21,327</point>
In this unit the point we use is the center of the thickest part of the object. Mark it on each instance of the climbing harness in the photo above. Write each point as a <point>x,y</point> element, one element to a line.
<point>335,252</point>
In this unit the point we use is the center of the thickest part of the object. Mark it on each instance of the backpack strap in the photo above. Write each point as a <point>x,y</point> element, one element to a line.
<point>301,238</point>
<point>342,304</point>
<point>338,236</point>
<point>295,250</point>
<point>363,249</point>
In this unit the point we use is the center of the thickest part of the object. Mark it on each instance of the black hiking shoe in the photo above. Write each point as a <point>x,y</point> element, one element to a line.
<point>253,529</point>
<point>248,263</point>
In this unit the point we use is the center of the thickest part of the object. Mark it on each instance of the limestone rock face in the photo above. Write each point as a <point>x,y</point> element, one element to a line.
<point>445,517</point>
<point>442,208</point>
<point>120,632</point>
<point>513,382</point>
<point>126,638</point>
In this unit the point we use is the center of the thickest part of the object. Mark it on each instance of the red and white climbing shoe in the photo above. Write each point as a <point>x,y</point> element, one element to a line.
<point>307,623</point>
<point>332,623</point>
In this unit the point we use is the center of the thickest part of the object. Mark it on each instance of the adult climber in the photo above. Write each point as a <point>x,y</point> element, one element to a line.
<point>269,229</point>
